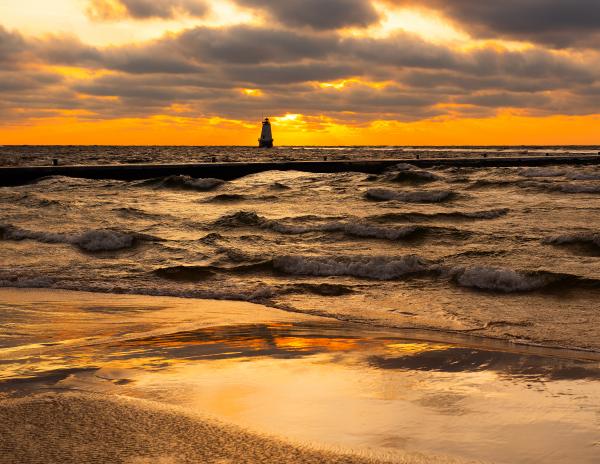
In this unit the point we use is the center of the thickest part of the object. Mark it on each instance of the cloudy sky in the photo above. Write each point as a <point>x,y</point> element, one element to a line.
<point>328,71</point>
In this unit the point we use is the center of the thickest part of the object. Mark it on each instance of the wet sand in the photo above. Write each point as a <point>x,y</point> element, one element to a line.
<point>92,428</point>
<point>111,378</point>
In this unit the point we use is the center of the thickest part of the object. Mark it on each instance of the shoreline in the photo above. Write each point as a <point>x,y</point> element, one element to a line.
<point>426,334</point>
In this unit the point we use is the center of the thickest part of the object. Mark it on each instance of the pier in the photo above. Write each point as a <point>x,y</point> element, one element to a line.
<point>232,170</point>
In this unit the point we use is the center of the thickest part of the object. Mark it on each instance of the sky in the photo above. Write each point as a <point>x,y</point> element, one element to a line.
<point>328,72</point>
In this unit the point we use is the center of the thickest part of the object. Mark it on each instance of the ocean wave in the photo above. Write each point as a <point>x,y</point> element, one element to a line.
<point>581,237</point>
<point>451,215</point>
<point>240,219</point>
<point>402,167</point>
<point>562,187</point>
<point>92,240</point>
<point>181,182</point>
<point>352,229</point>
<point>579,188</point>
<point>185,273</point>
<point>412,177</point>
<point>423,196</point>
<point>371,267</point>
<point>506,280</point>
<point>27,282</point>
<point>585,243</point>
<point>279,186</point>
<point>492,183</point>
<point>140,214</point>
<point>542,172</point>
<point>584,176</point>
<point>226,198</point>
<point>320,289</point>
<point>62,181</point>
<point>500,279</point>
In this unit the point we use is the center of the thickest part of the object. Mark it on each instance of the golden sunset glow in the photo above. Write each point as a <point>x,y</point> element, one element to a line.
<point>117,72</point>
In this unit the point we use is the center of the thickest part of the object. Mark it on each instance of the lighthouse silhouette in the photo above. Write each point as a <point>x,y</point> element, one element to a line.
<point>266,136</point>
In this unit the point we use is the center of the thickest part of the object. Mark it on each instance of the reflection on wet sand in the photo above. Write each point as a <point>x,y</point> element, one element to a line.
<point>333,385</point>
<point>336,385</point>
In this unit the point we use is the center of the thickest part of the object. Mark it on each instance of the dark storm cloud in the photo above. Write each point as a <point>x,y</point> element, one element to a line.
<point>558,23</point>
<point>12,45</point>
<point>253,45</point>
<point>206,69</point>
<point>317,14</point>
<point>146,9</point>
<point>506,100</point>
<point>270,74</point>
<point>17,81</point>
<point>66,50</point>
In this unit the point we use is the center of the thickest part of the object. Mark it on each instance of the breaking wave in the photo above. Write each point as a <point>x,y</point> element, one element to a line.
<point>580,188</point>
<point>585,243</point>
<point>423,196</point>
<point>592,238</point>
<point>371,267</point>
<point>352,229</point>
<point>507,280</point>
<point>492,183</point>
<point>412,177</point>
<point>499,279</point>
<point>226,198</point>
<point>584,176</point>
<point>180,182</point>
<point>563,187</point>
<point>92,240</point>
<point>451,215</point>
<point>542,172</point>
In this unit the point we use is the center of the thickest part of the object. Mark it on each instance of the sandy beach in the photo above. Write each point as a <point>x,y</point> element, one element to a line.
<point>158,379</point>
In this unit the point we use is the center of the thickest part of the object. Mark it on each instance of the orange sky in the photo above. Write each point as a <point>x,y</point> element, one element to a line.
<point>501,130</point>
<point>75,74</point>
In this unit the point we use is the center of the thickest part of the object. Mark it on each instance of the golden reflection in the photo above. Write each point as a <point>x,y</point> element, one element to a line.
<point>413,348</point>
<point>328,344</point>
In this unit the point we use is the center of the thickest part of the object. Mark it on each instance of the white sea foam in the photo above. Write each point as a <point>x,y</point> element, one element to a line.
<point>422,196</point>
<point>371,267</point>
<point>498,279</point>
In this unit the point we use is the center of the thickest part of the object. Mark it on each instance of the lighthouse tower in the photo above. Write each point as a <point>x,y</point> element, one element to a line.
<point>266,136</point>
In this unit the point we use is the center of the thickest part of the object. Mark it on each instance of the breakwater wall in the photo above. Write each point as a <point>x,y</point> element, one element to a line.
<point>229,171</point>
